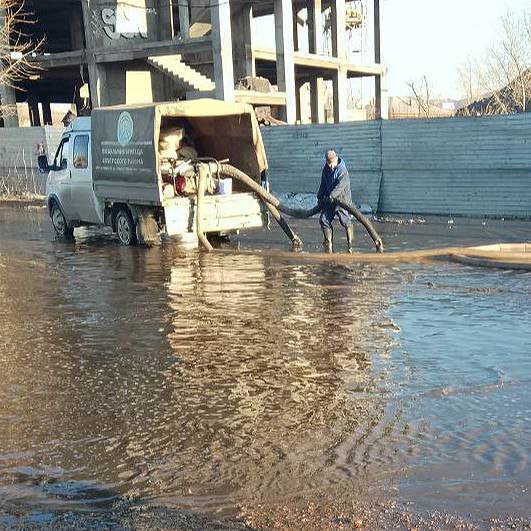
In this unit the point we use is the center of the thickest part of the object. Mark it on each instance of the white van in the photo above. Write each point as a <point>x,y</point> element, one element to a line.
<point>108,170</point>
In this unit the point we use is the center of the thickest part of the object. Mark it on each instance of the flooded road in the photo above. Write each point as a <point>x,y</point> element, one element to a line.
<point>209,382</point>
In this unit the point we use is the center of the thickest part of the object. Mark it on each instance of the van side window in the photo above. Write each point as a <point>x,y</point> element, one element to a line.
<point>61,156</point>
<point>81,143</point>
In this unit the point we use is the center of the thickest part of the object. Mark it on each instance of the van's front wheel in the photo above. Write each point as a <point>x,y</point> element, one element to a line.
<point>59,222</point>
<point>125,227</point>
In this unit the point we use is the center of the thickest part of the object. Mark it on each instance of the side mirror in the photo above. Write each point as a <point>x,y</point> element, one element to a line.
<point>42,161</point>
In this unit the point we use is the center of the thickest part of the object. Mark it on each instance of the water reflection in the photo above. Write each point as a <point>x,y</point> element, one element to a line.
<point>204,381</point>
<point>184,378</point>
<point>262,350</point>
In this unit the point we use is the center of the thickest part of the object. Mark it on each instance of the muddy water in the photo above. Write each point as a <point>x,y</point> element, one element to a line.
<point>210,381</point>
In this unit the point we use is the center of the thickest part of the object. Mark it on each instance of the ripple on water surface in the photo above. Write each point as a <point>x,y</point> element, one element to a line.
<point>209,380</point>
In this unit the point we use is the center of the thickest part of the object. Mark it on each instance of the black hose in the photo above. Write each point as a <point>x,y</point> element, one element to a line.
<point>235,173</point>
<point>270,200</point>
<point>201,189</point>
<point>349,207</point>
<point>295,240</point>
<point>231,171</point>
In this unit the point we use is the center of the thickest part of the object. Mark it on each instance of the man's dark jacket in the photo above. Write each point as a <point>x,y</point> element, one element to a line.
<point>335,184</point>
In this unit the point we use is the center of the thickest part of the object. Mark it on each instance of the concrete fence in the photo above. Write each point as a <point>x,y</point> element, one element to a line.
<point>19,172</point>
<point>453,166</point>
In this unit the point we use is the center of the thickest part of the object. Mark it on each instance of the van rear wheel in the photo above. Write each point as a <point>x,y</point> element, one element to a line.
<point>59,222</point>
<point>125,227</point>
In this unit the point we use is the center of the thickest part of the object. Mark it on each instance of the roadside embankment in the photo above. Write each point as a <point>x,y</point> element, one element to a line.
<point>22,201</point>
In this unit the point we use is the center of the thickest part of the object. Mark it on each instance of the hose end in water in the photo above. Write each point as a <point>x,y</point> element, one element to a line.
<point>297,243</point>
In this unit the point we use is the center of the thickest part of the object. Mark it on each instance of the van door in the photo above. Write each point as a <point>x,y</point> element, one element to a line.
<point>85,202</point>
<point>59,179</point>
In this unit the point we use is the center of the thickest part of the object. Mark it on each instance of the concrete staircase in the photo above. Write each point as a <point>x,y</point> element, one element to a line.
<point>176,68</point>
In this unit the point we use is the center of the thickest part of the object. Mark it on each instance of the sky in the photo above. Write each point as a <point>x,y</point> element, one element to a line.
<point>428,37</point>
<point>434,37</point>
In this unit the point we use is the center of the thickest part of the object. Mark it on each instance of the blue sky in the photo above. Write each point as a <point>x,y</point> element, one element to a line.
<point>429,37</point>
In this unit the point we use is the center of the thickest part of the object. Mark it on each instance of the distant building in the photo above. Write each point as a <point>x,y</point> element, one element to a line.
<point>157,50</point>
<point>448,106</point>
<point>408,107</point>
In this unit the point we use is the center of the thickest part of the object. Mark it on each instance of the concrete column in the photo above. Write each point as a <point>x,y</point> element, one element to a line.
<point>377,40</point>
<point>339,49</point>
<point>317,100</point>
<point>165,19</point>
<point>315,26</point>
<point>340,95</point>
<point>285,57</point>
<point>114,78</point>
<point>295,30</point>
<point>242,42</point>
<point>339,32</point>
<point>78,101</point>
<point>222,49</point>
<point>35,116</point>
<point>96,75</point>
<point>298,88</point>
<point>381,97</point>
<point>8,98</point>
<point>184,19</point>
<point>47,113</point>
<point>98,84</point>
<point>381,106</point>
<point>377,98</point>
<point>100,89</point>
<point>75,26</point>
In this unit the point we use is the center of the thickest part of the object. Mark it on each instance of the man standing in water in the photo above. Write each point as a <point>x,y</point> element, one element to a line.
<point>335,184</point>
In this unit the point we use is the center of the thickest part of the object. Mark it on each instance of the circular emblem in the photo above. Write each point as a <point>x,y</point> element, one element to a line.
<point>125,128</point>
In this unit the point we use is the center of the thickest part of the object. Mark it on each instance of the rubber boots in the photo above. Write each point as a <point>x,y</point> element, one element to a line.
<point>328,239</point>
<point>350,238</point>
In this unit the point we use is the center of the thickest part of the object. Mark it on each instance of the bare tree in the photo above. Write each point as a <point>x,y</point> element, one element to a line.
<point>508,66</point>
<point>470,80</point>
<point>421,94</point>
<point>16,48</point>
<point>503,75</point>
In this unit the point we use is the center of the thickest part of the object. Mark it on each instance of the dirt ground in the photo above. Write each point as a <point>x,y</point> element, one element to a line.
<point>294,515</point>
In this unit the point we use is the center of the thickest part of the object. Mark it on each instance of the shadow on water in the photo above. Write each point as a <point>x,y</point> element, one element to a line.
<point>47,502</point>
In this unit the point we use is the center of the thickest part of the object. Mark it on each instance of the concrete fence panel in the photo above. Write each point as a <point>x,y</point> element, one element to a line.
<point>452,166</point>
<point>296,157</point>
<point>19,172</point>
<point>461,166</point>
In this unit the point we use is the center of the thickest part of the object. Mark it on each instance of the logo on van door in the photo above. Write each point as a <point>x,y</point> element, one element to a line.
<point>125,128</point>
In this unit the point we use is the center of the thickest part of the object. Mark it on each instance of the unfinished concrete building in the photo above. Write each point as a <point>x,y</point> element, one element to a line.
<point>106,52</point>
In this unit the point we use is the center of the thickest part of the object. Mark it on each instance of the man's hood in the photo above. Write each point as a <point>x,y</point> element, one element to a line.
<point>341,166</point>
